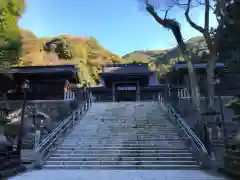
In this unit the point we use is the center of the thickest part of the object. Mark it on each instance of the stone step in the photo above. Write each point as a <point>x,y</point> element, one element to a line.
<point>133,167</point>
<point>159,145</point>
<point>67,162</point>
<point>120,141</point>
<point>115,146</point>
<point>121,146</point>
<point>126,123</point>
<point>118,148</point>
<point>124,139</point>
<point>109,126</point>
<point>121,158</point>
<point>123,154</point>
<point>131,131</point>
<point>110,150</point>
<point>124,134</point>
<point>144,128</point>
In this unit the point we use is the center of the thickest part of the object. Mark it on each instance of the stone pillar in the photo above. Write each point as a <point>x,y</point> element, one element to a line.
<point>37,138</point>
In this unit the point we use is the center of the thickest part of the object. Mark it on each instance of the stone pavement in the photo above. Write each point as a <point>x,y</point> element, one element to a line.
<point>117,175</point>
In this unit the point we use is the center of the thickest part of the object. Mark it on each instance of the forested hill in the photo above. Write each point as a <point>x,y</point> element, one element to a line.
<point>88,55</point>
<point>164,59</point>
<point>84,52</point>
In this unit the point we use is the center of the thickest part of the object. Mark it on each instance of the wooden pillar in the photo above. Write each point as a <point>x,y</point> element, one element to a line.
<point>66,90</point>
<point>138,91</point>
<point>113,92</point>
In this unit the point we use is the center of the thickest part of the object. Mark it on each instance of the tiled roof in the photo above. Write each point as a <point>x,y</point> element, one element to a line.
<point>42,69</point>
<point>140,68</point>
<point>196,66</point>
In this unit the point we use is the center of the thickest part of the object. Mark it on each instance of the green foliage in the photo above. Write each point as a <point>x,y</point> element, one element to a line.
<point>86,53</point>
<point>165,59</point>
<point>60,46</point>
<point>228,45</point>
<point>235,106</point>
<point>10,39</point>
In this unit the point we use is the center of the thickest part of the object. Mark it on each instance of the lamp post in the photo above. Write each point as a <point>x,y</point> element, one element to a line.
<point>25,87</point>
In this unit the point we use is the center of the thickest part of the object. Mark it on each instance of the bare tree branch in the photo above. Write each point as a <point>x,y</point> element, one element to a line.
<point>203,4</point>
<point>193,24</point>
<point>166,12</point>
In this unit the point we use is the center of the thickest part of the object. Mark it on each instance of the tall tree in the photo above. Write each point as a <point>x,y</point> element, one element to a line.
<point>174,26</point>
<point>10,39</point>
<point>211,38</point>
<point>228,47</point>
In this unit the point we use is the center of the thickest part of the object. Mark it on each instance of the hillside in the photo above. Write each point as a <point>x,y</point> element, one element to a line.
<point>88,55</point>
<point>165,58</point>
<point>85,52</point>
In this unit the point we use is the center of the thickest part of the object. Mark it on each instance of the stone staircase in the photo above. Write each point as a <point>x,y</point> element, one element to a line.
<point>125,135</point>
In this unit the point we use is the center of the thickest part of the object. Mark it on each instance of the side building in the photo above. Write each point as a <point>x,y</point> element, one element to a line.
<point>45,82</point>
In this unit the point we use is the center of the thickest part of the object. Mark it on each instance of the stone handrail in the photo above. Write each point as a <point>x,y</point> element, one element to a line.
<point>48,143</point>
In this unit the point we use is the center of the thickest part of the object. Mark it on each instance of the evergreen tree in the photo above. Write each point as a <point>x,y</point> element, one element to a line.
<point>10,39</point>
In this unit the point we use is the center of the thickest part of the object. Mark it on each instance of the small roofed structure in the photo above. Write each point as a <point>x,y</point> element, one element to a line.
<point>123,69</point>
<point>46,82</point>
<point>127,82</point>
<point>199,67</point>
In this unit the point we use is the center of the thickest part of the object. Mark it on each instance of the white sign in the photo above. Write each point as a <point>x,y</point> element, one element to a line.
<point>126,88</point>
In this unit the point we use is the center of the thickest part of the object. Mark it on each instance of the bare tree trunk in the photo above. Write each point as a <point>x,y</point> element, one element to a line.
<point>174,26</point>
<point>193,82</point>
<point>210,81</point>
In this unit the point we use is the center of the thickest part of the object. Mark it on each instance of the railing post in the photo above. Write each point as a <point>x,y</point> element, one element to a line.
<point>82,108</point>
<point>73,117</point>
<point>86,105</point>
<point>159,98</point>
<point>78,113</point>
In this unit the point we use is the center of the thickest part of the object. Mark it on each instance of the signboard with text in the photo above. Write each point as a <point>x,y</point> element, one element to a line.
<point>126,88</point>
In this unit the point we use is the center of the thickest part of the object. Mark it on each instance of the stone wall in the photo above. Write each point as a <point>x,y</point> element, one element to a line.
<point>52,114</point>
<point>184,108</point>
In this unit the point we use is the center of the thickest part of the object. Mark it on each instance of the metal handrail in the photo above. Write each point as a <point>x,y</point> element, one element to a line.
<point>198,147</point>
<point>186,129</point>
<point>47,144</point>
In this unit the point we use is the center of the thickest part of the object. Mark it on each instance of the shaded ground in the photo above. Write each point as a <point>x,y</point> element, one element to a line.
<point>117,175</point>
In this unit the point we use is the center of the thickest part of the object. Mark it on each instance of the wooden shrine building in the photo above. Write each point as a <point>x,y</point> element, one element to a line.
<point>45,82</point>
<point>178,76</point>
<point>126,82</point>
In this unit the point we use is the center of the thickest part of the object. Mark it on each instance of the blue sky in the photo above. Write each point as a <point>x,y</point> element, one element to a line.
<point>120,26</point>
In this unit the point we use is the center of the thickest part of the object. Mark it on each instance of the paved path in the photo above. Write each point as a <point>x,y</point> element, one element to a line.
<point>117,175</point>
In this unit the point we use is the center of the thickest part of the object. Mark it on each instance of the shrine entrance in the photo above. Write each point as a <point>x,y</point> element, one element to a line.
<point>125,91</point>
